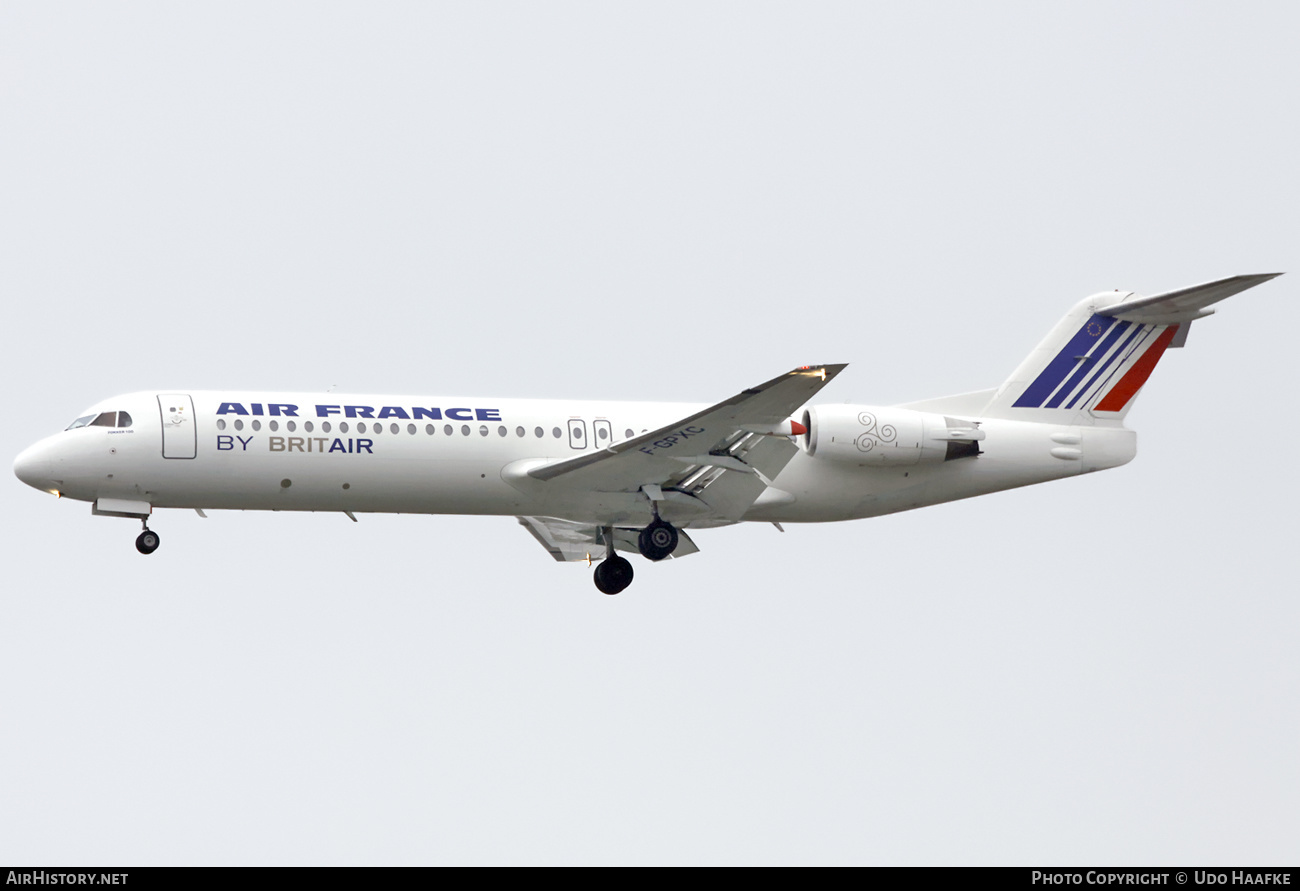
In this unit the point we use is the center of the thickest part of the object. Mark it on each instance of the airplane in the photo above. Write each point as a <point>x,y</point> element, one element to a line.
<point>600,478</point>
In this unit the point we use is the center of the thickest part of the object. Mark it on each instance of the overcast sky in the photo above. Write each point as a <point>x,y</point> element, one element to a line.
<point>667,202</point>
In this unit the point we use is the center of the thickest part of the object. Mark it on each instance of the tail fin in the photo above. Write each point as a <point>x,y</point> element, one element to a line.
<point>1098,357</point>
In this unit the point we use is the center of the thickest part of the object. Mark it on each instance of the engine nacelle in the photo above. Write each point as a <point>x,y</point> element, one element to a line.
<point>887,437</point>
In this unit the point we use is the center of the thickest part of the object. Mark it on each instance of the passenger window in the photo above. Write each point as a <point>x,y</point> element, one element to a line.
<point>502,430</point>
<point>446,428</point>
<point>428,428</point>
<point>343,426</point>
<point>221,423</point>
<point>361,426</point>
<point>628,434</point>
<point>519,431</point>
<point>324,426</point>
<point>410,428</point>
<point>239,425</point>
<point>556,432</point>
<point>257,425</point>
<point>291,426</point>
<point>123,419</point>
<point>464,430</point>
<point>275,425</point>
<point>306,425</point>
<point>393,428</point>
<point>483,431</point>
<point>539,433</point>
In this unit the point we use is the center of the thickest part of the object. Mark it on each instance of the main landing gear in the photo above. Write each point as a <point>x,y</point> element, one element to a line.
<point>656,541</point>
<point>147,541</point>
<point>613,574</point>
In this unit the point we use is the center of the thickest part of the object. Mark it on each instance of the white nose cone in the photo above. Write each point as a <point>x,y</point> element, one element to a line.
<point>32,466</point>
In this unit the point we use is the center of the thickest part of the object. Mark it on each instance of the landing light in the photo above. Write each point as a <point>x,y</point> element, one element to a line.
<point>55,492</point>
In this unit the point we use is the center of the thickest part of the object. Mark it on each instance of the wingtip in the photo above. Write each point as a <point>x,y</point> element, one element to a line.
<point>1252,281</point>
<point>825,371</point>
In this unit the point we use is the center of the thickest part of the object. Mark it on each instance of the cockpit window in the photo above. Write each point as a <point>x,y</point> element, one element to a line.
<point>103,419</point>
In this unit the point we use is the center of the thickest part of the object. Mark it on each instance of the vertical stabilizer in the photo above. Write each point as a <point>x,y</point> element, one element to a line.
<point>1091,366</point>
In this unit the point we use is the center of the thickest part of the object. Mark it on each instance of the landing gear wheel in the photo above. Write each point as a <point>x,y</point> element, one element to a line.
<point>657,540</point>
<point>147,542</point>
<point>613,575</point>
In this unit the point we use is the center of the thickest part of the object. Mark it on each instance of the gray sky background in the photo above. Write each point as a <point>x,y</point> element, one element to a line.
<point>669,202</point>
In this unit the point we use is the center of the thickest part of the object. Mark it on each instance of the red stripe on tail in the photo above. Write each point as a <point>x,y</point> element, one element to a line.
<point>1130,383</point>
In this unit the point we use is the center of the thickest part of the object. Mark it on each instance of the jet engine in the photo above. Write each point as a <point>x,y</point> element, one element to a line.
<point>887,437</point>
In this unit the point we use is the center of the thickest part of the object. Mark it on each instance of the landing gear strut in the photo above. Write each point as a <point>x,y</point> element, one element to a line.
<point>658,540</point>
<point>147,541</point>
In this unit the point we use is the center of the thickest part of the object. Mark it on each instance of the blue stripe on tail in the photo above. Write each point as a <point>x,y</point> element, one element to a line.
<point>1084,367</point>
<point>1050,378</point>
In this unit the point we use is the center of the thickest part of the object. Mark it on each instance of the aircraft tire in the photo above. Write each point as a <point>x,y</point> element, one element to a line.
<point>613,575</point>
<point>658,540</point>
<point>147,542</point>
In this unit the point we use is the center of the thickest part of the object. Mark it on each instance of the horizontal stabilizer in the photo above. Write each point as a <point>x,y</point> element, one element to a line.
<point>1182,305</point>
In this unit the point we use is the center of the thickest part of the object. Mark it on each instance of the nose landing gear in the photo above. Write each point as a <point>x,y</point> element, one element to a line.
<point>147,541</point>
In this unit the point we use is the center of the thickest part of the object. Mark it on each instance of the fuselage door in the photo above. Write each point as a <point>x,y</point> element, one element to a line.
<point>577,433</point>
<point>603,432</point>
<point>179,433</point>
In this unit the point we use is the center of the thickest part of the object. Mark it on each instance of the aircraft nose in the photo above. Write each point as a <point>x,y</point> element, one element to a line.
<point>32,466</point>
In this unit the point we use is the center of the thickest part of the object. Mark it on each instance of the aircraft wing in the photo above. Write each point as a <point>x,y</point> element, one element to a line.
<point>567,541</point>
<point>720,459</point>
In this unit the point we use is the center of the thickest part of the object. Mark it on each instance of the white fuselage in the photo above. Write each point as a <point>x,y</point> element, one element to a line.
<point>322,452</point>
